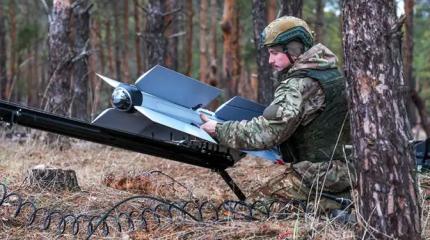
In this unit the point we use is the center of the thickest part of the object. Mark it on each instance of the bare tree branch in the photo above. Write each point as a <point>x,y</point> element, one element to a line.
<point>174,11</point>
<point>177,34</point>
<point>46,8</point>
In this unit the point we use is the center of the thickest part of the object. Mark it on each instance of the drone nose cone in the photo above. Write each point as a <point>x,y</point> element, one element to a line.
<point>124,97</point>
<point>121,99</point>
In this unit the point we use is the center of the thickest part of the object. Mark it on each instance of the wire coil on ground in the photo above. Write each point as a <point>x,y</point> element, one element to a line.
<point>141,212</point>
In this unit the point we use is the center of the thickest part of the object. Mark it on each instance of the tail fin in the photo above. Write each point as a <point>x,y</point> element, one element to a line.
<point>238,109</point>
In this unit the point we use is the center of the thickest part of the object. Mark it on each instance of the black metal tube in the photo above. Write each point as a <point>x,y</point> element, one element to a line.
<point>233,186</point>
<point>37,119</point>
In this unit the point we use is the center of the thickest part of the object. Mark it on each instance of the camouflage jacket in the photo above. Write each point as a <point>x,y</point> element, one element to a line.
<point>297,101</point>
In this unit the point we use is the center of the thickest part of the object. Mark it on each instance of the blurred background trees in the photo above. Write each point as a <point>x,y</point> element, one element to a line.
<point>211,40</point>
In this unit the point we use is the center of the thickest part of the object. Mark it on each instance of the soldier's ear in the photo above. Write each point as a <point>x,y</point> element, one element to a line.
<point>295,48</point>
<point>270,113</point>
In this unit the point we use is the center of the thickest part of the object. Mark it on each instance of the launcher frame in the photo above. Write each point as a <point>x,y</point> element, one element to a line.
<point>207,157</point>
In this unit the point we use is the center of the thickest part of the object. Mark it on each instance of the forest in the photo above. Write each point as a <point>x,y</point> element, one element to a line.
<point>52,50</point>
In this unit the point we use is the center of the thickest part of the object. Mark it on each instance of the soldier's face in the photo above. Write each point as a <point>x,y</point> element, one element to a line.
<point>278,59</point>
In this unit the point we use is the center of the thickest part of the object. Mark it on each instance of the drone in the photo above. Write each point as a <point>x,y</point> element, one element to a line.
<point>166,105</point>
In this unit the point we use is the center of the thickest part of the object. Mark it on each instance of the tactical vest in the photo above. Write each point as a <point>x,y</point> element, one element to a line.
<point>324,137</point>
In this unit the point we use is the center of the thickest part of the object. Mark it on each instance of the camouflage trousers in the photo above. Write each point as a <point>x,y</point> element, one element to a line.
<point>306,180</point>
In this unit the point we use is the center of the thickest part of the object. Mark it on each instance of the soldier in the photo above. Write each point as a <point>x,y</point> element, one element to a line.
<point>307,118</point>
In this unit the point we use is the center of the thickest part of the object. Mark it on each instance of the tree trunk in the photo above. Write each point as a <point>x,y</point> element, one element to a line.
<point>3,55</point>
<point>34,82</point>
<point>171,24</point>
<point>111,62</point>
<point>248,86</point>
<point>203,41</point>
<point>291,8</point>
<point>387,189</point>
<point>118,41</point>
<point>124,43</point>
<point>264,74</point>
<point>29,80</point>
<point>43,81</point>
<point>155,42</point>
<point>53,179</point>
<point>408,51</point>
<point>421,107</point>
<point>319,23</point>
<point>81,16</point>
<point>13,50</point>
<point>188,37</point>
<point>60,59</point>
<point>57,94</point>
<point>231,57</point>
<point>271,10</point>
<point>95,37</point>
<point>213,70</point>
<point>97,47</point>
<point>138,42</point>
<point>213,73</point>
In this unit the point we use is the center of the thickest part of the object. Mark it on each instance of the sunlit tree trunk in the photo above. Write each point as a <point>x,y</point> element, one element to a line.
<point>96,40</point>
<point>291,8</point>
<point>118,41</point>
<point>124,43</point>
<point>96,82</point>
<point>408,49</point>
<point>270,10</point>
<point>213,69</point>
<point>188,43</point>
<point>408,44</point>
<point>111,61</point>
<point>264,74</point>
<point>319,23</point>
<point>170,10</point>
<point>138,42</point>
<point>3,55</point>
<point>203,41</point>
<point>387,194</point>
<point>231,56</point>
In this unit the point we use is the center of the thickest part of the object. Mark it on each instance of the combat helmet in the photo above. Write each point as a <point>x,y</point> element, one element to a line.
<point>285,29</point>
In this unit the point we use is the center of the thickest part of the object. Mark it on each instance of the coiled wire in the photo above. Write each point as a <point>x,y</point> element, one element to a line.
<point>142,212</point>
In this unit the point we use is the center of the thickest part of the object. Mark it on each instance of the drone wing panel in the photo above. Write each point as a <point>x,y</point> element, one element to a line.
<point>138,124</point>
<point>176,87</point>
<point>173,123</point>
<point>127,122</point>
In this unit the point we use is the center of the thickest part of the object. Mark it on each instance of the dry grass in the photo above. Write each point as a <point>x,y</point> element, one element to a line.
<point>94,163</point>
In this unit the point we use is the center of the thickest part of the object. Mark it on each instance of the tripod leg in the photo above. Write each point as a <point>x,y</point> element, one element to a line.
<point>232,185</point>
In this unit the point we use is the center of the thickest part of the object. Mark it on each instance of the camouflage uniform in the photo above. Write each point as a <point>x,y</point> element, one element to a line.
<point>297,102</point>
